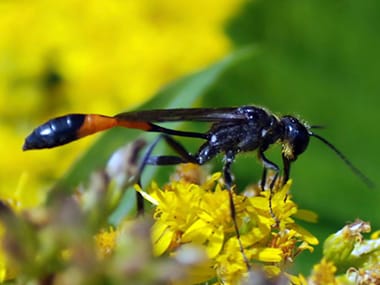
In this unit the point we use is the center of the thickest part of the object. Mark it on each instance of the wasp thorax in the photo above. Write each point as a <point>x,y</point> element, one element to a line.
<point>295,137</point>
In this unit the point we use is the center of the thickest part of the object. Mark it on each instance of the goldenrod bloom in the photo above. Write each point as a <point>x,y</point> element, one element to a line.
<point>323,273</point>
<point>105,242</point>
<point>188,213</point>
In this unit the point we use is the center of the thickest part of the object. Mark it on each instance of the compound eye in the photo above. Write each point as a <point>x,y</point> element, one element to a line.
<point>296,137</point>
<point>300,142</point>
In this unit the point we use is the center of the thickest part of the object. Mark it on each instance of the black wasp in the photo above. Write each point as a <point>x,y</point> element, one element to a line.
<point>233,130</point>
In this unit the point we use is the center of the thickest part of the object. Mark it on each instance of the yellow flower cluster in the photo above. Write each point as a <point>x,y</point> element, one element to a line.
<point>200,215</point>
<point>105,242</point>
<point>190,238</point>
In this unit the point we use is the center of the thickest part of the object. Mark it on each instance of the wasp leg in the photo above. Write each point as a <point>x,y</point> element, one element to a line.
<point>263,179</point>
<point>268,165</point>
<point>180,149</point>
<point>286,163</point>
<point>228,180</point>
<point>139,197</point>
<point>183,157</point>
<point>228,160</point>
<point>165,160</point>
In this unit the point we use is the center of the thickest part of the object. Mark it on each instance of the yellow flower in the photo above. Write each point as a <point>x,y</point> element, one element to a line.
<point>189,212</point>
<point>289,237</point>
<point>230,266</point>
<point>297,280</point>
<point>173,218</point>
<point>214,220</point>
<point>200,215</point>
<point>375,235</point>
<point>105,242</point>
<point>323,273</point>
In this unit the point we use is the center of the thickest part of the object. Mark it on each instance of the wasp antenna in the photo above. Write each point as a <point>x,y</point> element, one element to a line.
<point>353,168</point>
<point>317,127</point>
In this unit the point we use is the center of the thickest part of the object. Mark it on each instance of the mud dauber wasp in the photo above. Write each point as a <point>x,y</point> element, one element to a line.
<point>233,130</point>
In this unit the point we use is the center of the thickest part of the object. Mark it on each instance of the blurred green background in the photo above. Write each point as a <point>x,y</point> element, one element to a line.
<point>314,59</point>
<point>318,60</point>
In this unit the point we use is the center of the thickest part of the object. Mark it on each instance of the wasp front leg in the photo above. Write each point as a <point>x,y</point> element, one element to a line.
<point>268,165</point>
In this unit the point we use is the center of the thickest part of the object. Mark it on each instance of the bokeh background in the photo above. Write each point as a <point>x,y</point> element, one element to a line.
<point>92,56</point>
<point>315,59</point>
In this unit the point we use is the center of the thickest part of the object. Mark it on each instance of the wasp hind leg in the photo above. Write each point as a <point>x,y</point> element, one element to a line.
<point>148,159</point>
<point>228,180</point>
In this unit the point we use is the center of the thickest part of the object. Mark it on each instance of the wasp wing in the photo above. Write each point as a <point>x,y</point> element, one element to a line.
<point>185,114</point>
<point>62,130</point>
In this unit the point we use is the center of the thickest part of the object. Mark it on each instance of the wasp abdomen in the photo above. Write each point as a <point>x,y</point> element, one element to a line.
<point>55,132</point>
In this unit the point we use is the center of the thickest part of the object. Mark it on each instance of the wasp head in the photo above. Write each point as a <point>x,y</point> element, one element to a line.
<point>295,137</point>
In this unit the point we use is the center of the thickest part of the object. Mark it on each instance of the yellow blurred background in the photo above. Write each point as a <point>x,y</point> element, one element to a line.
<point>94,56</point>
